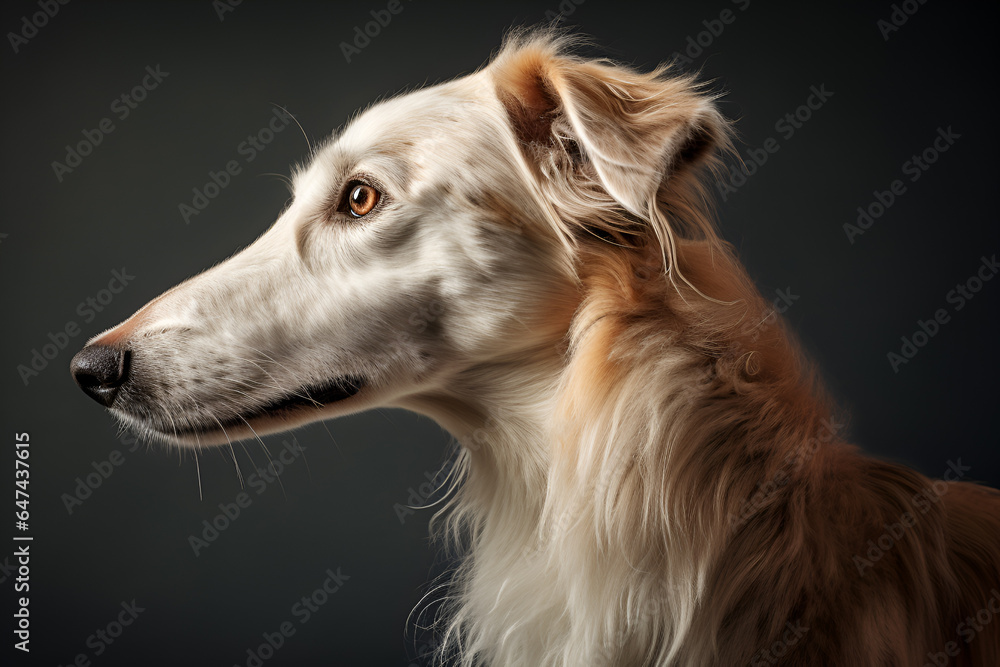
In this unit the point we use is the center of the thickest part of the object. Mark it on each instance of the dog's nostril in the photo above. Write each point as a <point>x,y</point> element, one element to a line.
<point>100,370</point>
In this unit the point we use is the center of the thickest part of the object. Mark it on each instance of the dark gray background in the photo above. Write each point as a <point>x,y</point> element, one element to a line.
<point>129,540</point>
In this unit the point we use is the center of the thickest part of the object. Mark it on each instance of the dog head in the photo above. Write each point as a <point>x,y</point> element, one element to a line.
<point>439,234</point>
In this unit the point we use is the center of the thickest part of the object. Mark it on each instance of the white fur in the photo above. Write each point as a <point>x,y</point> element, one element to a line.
<point>541,277</point>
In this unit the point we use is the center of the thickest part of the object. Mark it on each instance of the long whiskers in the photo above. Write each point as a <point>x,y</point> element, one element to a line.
<point>301,129</point>
<point>268,454</point>
<point>197,467</point>
<point>275,381</point>
<point>197,464</point>
<point>239,473</point>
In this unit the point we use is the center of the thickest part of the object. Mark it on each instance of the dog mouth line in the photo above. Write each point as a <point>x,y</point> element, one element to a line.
<point>316,397</point>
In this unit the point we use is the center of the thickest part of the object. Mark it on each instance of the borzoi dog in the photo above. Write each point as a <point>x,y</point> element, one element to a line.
<point>651,473</point>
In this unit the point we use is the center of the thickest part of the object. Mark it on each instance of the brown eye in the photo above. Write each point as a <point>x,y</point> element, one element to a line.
<point>361,198</point>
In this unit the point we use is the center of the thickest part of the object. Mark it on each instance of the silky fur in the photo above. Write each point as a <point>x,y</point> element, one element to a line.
<point>680,397</point>
<point>650,473</point>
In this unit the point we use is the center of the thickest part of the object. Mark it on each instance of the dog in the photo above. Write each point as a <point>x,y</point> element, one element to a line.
<point>650,471</point>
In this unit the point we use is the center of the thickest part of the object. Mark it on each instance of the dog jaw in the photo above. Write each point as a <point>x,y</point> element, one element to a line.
<point>441,278</point>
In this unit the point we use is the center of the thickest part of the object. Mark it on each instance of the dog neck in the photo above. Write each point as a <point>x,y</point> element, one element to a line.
<point>599,477</point>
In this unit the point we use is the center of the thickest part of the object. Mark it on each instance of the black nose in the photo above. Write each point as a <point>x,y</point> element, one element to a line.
<point>100,370</point>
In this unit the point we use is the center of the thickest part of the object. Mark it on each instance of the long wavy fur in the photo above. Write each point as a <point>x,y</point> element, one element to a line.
<point>694,501</point>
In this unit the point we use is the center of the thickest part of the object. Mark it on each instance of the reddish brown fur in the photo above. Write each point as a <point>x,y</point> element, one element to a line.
<point>793,559</point>
<point>744,409</point>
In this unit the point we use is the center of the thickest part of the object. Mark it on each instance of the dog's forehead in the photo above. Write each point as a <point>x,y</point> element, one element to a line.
<point>417,123</point>
<point>418,114</point>
<point>403,139</point>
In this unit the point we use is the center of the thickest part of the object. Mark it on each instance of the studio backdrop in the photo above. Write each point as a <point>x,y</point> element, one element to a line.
<point>144,142</point>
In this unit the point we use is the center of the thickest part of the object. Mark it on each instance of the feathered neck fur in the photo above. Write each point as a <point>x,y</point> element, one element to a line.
<point>662,483</point>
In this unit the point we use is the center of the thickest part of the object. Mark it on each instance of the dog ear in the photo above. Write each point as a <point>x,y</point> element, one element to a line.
<point>636,130</point>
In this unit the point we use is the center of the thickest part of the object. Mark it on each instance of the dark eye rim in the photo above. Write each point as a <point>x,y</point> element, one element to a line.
<point>344,204</point>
